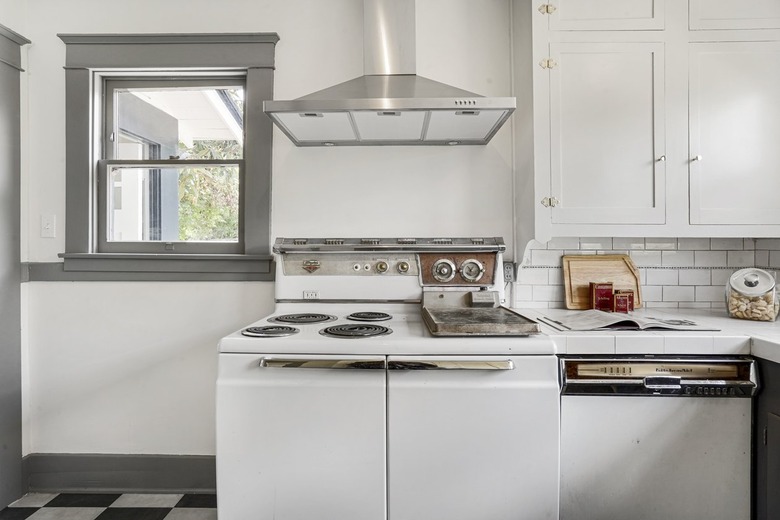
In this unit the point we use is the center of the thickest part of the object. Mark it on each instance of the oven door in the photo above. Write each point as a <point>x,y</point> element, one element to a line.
<point>301,437</point>
<point>473,437</point>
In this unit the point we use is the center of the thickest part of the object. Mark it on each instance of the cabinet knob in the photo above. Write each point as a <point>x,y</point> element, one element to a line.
<point>662,158</point>
<point>697,158</point>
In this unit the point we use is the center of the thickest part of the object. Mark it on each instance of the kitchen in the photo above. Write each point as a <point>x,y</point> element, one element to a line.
<point>96,382</point>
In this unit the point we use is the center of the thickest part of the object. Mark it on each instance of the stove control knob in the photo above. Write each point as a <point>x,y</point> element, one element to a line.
<point>381,267</point>
<point>472,270</point>
<point>443,270</point>
<point>403,267</point>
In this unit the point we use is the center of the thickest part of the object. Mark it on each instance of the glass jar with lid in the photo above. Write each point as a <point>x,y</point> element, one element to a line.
<point>751,294</point>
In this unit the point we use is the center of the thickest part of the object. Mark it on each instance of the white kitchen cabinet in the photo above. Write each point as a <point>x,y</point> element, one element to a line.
<point>734,14</point>
<point>400,437</point>
<point>604,15</point>
<point>646,133</point>
<point>734,132</point>
<point>607,133</point>
<point>468,444</point>
<point>318,439</point>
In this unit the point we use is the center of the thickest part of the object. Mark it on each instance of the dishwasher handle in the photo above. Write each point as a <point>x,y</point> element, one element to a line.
<point>662,383</point>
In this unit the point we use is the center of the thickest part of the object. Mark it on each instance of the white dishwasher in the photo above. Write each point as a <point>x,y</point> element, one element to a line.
<point>656,438</point>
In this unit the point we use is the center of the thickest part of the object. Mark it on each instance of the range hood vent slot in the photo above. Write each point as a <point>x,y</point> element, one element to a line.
<point>390,104</point>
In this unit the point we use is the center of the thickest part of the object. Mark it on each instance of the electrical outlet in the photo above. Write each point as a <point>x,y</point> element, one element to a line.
<point>509,272</point>
<point>311,295</point>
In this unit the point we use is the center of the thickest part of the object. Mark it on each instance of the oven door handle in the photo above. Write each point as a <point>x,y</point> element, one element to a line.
<point>438,364</point>
<point>350,364</point>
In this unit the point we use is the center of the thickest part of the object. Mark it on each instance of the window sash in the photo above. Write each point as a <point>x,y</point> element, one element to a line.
<point>111,83</point>
<point>163,247</point>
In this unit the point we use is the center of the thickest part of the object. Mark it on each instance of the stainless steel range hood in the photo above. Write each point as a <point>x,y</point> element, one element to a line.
<point>390,104</point>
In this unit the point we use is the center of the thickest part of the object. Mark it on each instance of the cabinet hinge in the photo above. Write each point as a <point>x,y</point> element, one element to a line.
<point>548,63</point>
<point>550,202</point>
<point>547,9</point>
<point>766,435</point>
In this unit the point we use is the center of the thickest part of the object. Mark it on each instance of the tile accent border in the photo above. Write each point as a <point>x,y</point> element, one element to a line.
<point>76,472</point>
<point>674,272</point>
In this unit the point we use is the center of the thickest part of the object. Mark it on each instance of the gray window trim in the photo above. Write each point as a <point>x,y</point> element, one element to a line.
<point>88,57</point>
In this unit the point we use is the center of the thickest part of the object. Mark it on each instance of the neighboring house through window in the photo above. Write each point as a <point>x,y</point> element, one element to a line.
<point>169,155</point>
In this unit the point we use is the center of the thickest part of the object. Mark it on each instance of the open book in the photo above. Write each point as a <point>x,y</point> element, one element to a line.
<point>601,320</point>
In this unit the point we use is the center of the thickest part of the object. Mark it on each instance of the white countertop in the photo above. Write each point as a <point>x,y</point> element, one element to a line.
<point>761,339</point>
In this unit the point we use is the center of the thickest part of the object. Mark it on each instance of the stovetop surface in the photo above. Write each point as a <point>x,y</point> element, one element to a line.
<point>409,335</point>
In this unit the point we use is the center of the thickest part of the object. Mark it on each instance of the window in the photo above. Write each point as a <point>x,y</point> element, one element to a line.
<point>169,154</point>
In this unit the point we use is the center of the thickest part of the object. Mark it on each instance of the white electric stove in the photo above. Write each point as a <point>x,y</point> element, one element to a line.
<point>389,382</point>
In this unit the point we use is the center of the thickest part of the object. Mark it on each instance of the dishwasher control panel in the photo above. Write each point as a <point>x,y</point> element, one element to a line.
<point>682,376</point>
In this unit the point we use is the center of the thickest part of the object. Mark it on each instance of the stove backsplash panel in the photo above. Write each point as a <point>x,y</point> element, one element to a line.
<point>675,272</point>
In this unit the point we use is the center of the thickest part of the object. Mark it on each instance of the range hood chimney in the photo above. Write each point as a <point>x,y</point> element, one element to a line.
<point>390,104</point>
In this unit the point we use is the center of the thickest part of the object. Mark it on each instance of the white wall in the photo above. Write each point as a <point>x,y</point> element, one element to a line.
<point>149,388</point>
<point>13,15</point>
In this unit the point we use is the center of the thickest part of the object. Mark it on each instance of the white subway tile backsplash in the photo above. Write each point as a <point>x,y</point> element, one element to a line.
<point>677,258</point>
<point>693,244</point>
<point>709,258</point>
<point>541,257</point>
<point>721,276</point>
<point>548,293</point>
<point>595,243</point>
<point>646,258</point>
<point>674,272</point>
<point>741,258</point>
<point>652,293</point>
<point>695,277</point>
<point>522,293</point>
<point>628,243</point>
<point>662,305</point>
<point>555,276</point>
<point>678,293</point>
<point>774,259</point>
<point>768,243</point>
<point>710,293</point>
<point>762,258</point>
<point>662,276</point>
<point>727,244</point>
<point>660,243</point>
<point>564,243</point>
<point>535,244</point>
<point>532,276</point>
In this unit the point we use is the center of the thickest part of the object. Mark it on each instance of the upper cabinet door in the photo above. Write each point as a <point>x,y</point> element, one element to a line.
<point>607,163</point>
<point>605,15</point>
<point>734,14</point>
<point>734,133</point>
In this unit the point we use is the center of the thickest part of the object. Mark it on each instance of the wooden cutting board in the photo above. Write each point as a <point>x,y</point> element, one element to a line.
<point>580,270</point>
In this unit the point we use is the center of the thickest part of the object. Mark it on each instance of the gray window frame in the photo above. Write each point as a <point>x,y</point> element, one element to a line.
<point>91,57</point>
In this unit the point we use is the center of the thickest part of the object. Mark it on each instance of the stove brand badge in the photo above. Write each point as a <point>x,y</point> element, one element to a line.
<point>311,265</point>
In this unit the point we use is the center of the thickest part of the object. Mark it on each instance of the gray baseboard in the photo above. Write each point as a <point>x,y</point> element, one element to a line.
<point>74,472</point>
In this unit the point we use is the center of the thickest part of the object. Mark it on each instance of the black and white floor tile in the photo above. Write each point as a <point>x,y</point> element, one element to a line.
<point>105,506</point>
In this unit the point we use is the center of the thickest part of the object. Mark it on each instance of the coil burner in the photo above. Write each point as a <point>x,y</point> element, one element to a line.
<point>369,316</point>
<point>354,330</point>
<point>302,318</point>
<point>270,331</point>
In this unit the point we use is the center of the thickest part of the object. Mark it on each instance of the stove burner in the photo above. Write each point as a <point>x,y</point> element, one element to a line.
<point>353,330</point>
<point>369,316</point>
<point>270,331</point>
<point>302,318</point>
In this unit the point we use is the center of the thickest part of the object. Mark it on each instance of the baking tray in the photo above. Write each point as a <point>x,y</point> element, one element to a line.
<point>473,321</point>
<point>580,270</point>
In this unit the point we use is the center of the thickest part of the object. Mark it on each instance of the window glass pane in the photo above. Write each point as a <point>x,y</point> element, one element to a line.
<point>188,122</point>
<point>183,203</point>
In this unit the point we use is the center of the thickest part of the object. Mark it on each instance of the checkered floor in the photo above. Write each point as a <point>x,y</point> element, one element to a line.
<point>104,506</point>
